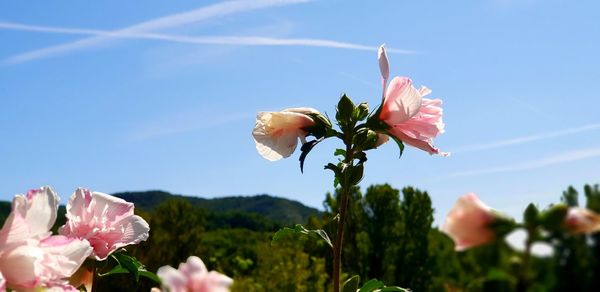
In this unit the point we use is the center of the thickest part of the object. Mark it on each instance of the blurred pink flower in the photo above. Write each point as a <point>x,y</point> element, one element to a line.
<point>107,222</point>
<point>413,119</point>
<point>276,134</point>
<point>468,223</point>
<point>192,276</point>
<point>29,256</point>
<point>2,283</point>
<point>582,220</point>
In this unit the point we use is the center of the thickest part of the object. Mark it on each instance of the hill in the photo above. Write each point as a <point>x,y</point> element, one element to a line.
<point>280,210</point>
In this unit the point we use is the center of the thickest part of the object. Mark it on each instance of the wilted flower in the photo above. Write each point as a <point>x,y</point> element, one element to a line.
<point>192,276</point>
<point>411,118</point>
<point>107,222</point>
<point>468,223</point>
<point>582,220</point>
<point>276,134</point>
<point>29,256</point>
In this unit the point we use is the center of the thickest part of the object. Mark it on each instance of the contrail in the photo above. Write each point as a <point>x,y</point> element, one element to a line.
<point>173,20</point>
<point>533,164</point>
<point>210,40</point>
<point>527,139</point>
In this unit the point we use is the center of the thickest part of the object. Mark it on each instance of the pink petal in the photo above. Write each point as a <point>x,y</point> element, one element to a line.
<point>172,279</point>
<point>2,283</point>
<point>468,221</point>
<point>276,134</point>
<point>70,252</point>
<point>15,229</point>
<point>18,265</point>
<point>193,265</point>
<point>130,230</point>
<point>384,65</point>
<point>402,101</point>
<point>423,144</point>
<point>38,208</point>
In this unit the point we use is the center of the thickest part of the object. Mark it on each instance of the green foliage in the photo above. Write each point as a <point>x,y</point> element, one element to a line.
<point>389,236</point>
<point>125,264</point>
<point>279,210</point>
<point>386,237</point>
<point>284,268</point>
<point>351,285</point>
<point>301,230</point>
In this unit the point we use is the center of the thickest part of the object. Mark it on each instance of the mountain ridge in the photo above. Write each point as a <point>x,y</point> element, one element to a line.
<point>278,209</point>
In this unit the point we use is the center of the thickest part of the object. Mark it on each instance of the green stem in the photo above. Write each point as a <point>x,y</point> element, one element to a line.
<point>523,279</point>
<point>339,237</point>
<point>94,276</point>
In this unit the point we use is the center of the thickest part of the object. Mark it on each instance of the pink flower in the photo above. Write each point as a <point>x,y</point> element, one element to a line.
<point>413,119</point>
<point>29,256</point>
<point>581,220</point>
<point>192,276</point>
<point>107,222</point>
<point>276,134</point>
<point>468,223</point>
<point>2,283</point>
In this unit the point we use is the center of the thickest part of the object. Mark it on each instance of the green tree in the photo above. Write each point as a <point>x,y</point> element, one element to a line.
<point>176,228</point>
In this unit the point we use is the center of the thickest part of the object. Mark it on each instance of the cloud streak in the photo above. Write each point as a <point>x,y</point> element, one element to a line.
<point>528,139</point>
<point>204,40</point>
<point>169,21</point>
<point>183,124</point>
<point>534,164</point>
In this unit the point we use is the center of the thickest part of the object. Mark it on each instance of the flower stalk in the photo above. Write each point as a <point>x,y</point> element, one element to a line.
<point>345,195</point>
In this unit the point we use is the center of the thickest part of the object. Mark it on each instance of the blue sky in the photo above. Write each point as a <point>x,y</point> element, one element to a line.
<point>118,96</point>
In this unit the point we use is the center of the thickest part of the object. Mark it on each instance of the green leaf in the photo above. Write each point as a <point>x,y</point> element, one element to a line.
<point>118,269</point>
<point>150,275</point>
<point>399,142</point>
<point>393,289</point>
<point>340,152</point>
<point>361,111</point>
<point>301,230</point>
<point>351,285</point>
<point>337,171</point>
<point>503,225</point>
<point>361,156</point>
<point>306,148</point>
<point>376,285</point>
<point>530,217</point>
<point>371,285</point>
<point>357,174</point>
<point>131,264</point>
<point>336,182</point>
<point>553,218</point>
<point>345,109</point>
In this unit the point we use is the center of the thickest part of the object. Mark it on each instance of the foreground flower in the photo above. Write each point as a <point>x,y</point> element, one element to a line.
<point>581,220</point>
<point>276,134</point>
<point>30,258</point>
<point>410,117</point>
<point>192,276</point>
<point>468,223</point>
<point>107,222</point>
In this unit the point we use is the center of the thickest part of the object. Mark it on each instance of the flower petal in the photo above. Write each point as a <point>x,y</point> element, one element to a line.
<point>276,133</point>
<point>582,220</point>
<point>402,101</point>
<point>69,252</point>
<point>384,65</point>
<point>38,208</point>
<point>2,283</point>
<point>18,265</point>
<point>172,279</point>
<point>467,223</point>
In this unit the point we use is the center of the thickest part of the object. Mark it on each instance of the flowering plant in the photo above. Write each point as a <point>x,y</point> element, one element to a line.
<point>404,115</point>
